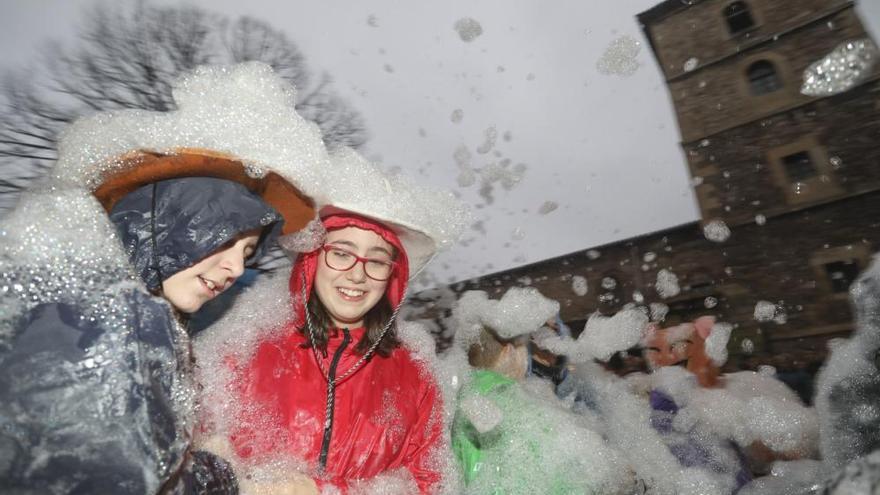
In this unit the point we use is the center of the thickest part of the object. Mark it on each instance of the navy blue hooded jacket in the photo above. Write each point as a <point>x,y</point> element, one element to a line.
<point>93,405</point>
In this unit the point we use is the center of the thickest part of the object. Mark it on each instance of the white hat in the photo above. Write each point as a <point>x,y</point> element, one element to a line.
<point>420,247</point>
<point>238,122</point>
<point>425,220</point>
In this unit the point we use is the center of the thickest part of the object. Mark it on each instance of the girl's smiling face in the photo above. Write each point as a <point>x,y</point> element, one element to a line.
<point>348,295</point>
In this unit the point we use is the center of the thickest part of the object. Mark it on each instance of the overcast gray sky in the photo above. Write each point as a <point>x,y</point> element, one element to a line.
<point>603,148</point>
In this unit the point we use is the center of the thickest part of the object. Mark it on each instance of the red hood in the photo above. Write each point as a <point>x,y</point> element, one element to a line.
<point>386,416</point>
<point>306,264</point>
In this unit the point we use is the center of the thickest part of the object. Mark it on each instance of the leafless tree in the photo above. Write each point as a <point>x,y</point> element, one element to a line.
<point>128,57</point>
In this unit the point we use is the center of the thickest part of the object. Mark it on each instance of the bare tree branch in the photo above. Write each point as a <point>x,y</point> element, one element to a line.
<point>128,56</point>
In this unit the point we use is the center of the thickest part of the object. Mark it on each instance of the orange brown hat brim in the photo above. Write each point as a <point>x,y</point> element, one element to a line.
<point>141,168</point>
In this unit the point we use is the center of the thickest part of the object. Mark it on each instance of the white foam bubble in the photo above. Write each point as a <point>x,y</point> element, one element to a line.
<point>767,311</point>
<point>547,207</point>
<point>490,135</point>
<point>843,68</point>
<point>667,284</point>
<point>716,343</point>
<point>468,29</point>
<point>519,312</point>
<point>716,231</point>
<point>601,338</point>
<point>658,311</point>
<point>620,57</point>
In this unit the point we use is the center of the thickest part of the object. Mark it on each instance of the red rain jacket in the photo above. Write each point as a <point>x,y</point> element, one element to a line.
<point>387,415</point>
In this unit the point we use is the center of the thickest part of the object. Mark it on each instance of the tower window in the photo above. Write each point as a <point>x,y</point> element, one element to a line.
<point>802,170</point>
<point>763,78</point>
<point>841,274</point>
<point>836,268</point>
<point>738,17</point>
<point>799,167</point>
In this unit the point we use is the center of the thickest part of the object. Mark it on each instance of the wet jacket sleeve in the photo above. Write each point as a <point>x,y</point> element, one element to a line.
<point>427,440</point>
<point>69,424</point>
<point>40,445</point>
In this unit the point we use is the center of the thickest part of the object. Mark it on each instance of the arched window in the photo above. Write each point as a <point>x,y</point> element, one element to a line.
<point>738,17</point>
<point>763,78</point>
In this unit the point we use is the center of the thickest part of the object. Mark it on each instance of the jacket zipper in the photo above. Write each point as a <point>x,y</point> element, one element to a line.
<point>331,395</point>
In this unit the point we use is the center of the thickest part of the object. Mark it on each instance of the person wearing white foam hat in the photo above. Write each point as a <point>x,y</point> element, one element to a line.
<point>335,389</point>
<point>95,392</point>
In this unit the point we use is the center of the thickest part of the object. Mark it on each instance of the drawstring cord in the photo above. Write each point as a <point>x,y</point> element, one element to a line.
<point>364,358</point>
<point>333,381</point>
<point>155,244</point>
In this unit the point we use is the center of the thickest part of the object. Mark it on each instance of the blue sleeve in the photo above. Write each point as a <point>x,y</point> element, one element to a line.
<point>41,451</point>
<point>72,422</point>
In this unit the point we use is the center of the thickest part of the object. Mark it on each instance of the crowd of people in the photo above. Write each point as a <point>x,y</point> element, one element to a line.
<point>309,382</point>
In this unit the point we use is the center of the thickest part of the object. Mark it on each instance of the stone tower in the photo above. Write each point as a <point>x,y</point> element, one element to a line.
<point>768,146</point>
<point>787,178</point>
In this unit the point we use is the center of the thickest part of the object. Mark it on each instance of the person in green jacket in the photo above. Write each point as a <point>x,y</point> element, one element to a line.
<point>511,434</point>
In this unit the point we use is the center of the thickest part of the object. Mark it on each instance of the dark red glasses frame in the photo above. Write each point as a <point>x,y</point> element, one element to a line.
<point>357,259</point>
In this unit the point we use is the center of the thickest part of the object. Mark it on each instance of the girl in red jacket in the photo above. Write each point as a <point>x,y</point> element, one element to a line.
<point>335,391</point>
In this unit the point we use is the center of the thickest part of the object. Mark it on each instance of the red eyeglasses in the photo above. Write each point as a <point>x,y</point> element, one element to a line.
<point>342,260</point>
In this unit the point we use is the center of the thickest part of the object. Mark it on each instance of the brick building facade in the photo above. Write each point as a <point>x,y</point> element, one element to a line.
<point>795,179</point>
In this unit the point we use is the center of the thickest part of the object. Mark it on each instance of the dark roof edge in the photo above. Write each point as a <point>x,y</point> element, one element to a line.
<point>656,233</point>
<point>694,223</point>
<point>663,9</point>
<point>656,13</point>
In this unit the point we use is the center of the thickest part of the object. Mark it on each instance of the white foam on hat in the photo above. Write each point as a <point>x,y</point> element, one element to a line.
<point>358,185</point>
<point>245,110</point>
